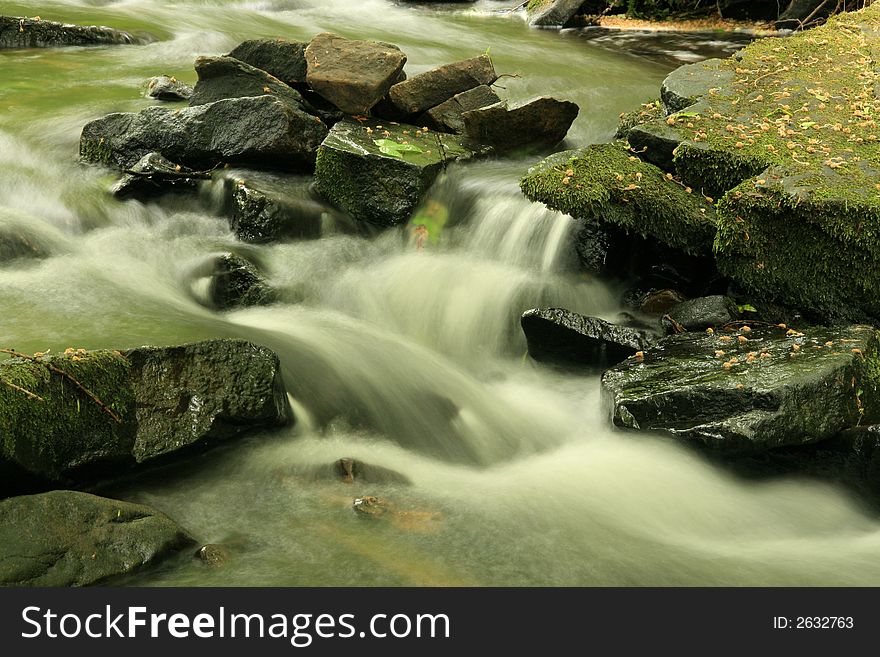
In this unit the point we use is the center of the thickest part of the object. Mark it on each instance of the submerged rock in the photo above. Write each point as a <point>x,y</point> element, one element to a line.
<point>286,60</point>
<point>23,32</point>
<point>19,241</point>
<point>552,13</point>
<point>749,390</point>
<point>167,88</point>
<point>154,175</point>
<point>539,123</point>
<point>236,282</point>
<point>447,116</point>
<point>213,555</point>
<point>351,471</point>
<point>564,337</point>
<point>225,77</point>
<point>426,90</point>
<point>382,188</point>
<point>68,538</point>
<point>353,75</point>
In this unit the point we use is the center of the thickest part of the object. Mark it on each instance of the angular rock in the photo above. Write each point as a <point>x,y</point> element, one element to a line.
<point>552,13</point>
<point>357,177</point>
<point>784,388</point>
<point>447,117</point>
<point>426,90</point>
<point>23,32</point>
<point>225,77</point>
<point>564,337</point>
<point>68,538</point>
<point>655,142</point>
<point>705,312</point>
<point>286,60</point>
<point>154,175</point>
<point>540,123</point>
<point>353,75</point>
<point>689,83</point>
<point>236,282</point>
<point>141,404</point>
<point>164,87</point>
<point>265,130</point>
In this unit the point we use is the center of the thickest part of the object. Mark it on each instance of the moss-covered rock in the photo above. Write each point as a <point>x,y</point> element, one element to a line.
<point>24,32</point>
<point>607,183</point>
<point>749,389</point>
<point>67,538</point>
<point>689,83</point>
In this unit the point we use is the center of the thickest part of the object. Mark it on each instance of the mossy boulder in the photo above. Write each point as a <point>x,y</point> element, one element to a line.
<point>286,60</point>
<point>24,32</point>
<point>377,187</point>
<point>605,183</point>
<point>689,83</point>
<point>68,538</point>
<point>749,390</point>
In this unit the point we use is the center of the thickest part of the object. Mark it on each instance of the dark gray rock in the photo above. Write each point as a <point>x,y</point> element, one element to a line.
<point>784,388</point>
<point>655,142</point>
<point>167,88</point>
<point>552,13</point>
<point>237,282</point>
<point>154,175</point>
<point>225,77</point>
<point>266,130</point>
<point>22,32</point>
<point>564,337</point>
<point>687,84</point>
<point>286,60</point>
<point>540,123</point>
<point>704,312</point>
<point>447,117</point>
<point>426,90</point>
<point>353,75</point>
<point>67,538</point>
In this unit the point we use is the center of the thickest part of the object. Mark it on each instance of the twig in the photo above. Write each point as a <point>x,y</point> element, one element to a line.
<point>27,393</point>
<point>106,409</point>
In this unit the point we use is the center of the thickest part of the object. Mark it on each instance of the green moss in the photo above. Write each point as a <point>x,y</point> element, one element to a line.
<point>651,111</point>
<point>66,429</point>
<point>536,5</point>
<point>606,183</point>
<point>713,172</point>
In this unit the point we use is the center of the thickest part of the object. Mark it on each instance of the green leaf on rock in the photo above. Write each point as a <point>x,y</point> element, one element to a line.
<point>395,149</point>
<point>747,308</point>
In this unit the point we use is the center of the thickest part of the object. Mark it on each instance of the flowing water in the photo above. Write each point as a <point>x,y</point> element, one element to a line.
<point>403,359</point>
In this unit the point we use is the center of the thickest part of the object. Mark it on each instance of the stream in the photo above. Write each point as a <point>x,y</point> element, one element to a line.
<point>405,359</point>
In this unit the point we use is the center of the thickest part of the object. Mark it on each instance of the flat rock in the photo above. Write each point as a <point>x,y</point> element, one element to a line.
<point>552,13</point>
<point>540,123</point>
<point>689,83</point>
<point>68,538</point>
<point>784,388</point>
<point>426,90</point>
<point>23,32</point>
<point>564,337</point>
<point>447,117</point>
<point>168,88</point>
<point>353,75</point>
<point>286,60</point>
<point>225,77</point>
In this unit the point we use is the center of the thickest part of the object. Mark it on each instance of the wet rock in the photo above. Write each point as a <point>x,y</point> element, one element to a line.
<point>286,60</point>
<point>164,87</point>
<point>705,312</point>
<point>236,282</point>
<point>225,77</point>
<point>447,117</point>
<point>23,32</point>
<point>17,241</point>
<point>552,13</point>
<point>154,175</point>
<point>749,390</point>
<point>353,75</point>
<point>564,337</point>
<point>660,302</point>
<point>655,142</point>
<point>540,123</point>
<point>215,556</point>
<point>265,130</point>
<point>370,507</point>
<point>68,538</point>
<point>356,176</point>
<point>111,410</point>
<point>350,471</point>
<point>593,243</point>
<point>426,90</point>
<point>687,84</point>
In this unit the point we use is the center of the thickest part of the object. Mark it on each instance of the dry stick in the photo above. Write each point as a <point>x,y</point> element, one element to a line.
<point>28,393</point>
<point>106,409</point>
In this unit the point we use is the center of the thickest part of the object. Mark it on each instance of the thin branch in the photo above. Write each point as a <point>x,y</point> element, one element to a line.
<point>27,393</point>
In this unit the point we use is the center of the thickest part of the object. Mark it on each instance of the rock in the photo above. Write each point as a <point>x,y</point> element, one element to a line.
<point>19,241</point>
<point>168,88</point>
<point>267,131</point>
<point>426,90</point>
<point>224,77</point>
<point>606,184</point>
<point>552,13</point>
<point>655,142</point>
<point>561,336</point>
<point>785,388</point>
<point>705,312</point>
<point>154,175</point>
<point>647,113</point>
<point>382,189</point>
<point>353,75</point>
<point>22,32</point>
<point>447,117</point>
<point>67,538</point>
<point>286,60</point>
<point>689,83</point>
<point>213,555</point>
<point>370,507</point>
<point>272,207</point>
<point>660,302</point>
<point>540,123</point>
<point>236,282</point>
<point>350,471</point>
<point>141,404</point>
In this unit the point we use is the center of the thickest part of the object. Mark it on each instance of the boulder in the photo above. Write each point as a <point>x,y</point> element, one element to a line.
<point>68,417</point>
<point>426,90</point>
<point>540,123</point>
<point>353,75</point>
<point>23,32</point>
<point>382,188</point>
<point>167,88</point>
<point>749,390</point>
<point>564,337</point>
<point>237,282</point>
<point>225,77</point>
<point>265,130</point>
<point>689,83</point>
<point>286,60</point>
<point>552,13</point>
<point>68,538</point>
<point>705,312</point>
<point>447,117</point>
<point>154,175</point>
